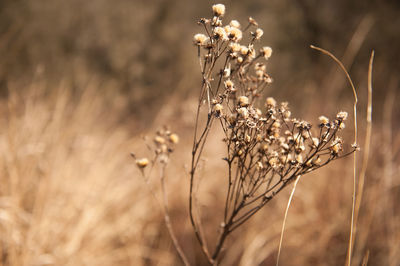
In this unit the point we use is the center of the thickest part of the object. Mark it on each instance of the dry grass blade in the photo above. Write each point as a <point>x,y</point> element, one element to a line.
<point>355,143</point>
<point>367,145</point>
<point>284,219</point>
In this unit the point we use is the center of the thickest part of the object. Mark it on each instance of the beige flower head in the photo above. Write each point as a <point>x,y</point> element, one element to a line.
<point>342,115</point>
<point>323,119</point>
<point>243,101</point>
<point>200,39</point>
<point>234,33</point>
<point>220,33</point>
<point>243,112</point>
<point>235,24</point>
<point>258,34</point>
<point>235,47</point>
<point>266,51</point>
<point>218,10</point>
<point>174,138</point>
<point>270,102</point>
<point>142,163</point>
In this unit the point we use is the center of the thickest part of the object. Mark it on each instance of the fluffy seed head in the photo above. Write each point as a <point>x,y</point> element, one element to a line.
<point>270,102</point>
<point>235,47</point>
<point>234,33</point>
<point>200,39</point>
<point>258,34</point>
<point>218,107</point>
<point>235,24</point>
<point>243,112</point>
<point>244,50</point>
<point>323,119</point>
<point>218,10</point>
<point>220,33</point>
<point>266,51</point>
<point>243,101</point>
<point>342,115</point>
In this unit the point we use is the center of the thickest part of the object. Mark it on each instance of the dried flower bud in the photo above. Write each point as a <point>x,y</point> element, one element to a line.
<point>235,24</point>
<point>252,21</point>
<point>220,33</point>
<point>323,119</point>
<point>200,39</point>
<point>244,50</point>
<point>218,10</point>
<point>243,101</point>
<point>218,107</point>
<point>228,84</point>
<point>234,33</point>
<point>259,32</point>
<point>235,47</point>
<point>276,124</point>
<point>159,140</point>
<point>247,138</point>
<point>336,148</point>
<point>270,102</point>
<point>287,114</point>
<point>315,142</point>
<point>259,166</point>
<point>299,158</point>
<point>216,22</point>
<point>243,112</point>
<point>266,51</point>
<point>227,72</point>
<point>142,163</point>
<point>342,115</point>
<point>274,162</point>
<point>174,138</point>
<point>260,66</point>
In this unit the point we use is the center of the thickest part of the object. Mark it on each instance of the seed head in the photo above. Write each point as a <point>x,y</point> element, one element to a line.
<point>244,50</point>
<point>252,21</point>
<point>200,39</point>
<point>218,10</point>
<point>266,51</point>
<point>159,140</point>
<point>323,119</point>
<point>174,138</point>
<point>220,33</point>
<point>243,101</point>
<point>235,24</point>
<point>258,34</point>
<point>234,33</point>
<point>235,47</point>
<point>218,107</point>
<point>270,102</point>
<point>243,112</point>
<point>336,148</point>
<point>342,115</point>
<point>142,163</point>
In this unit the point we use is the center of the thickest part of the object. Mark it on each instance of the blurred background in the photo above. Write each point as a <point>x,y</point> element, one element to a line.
<point>81,83</point>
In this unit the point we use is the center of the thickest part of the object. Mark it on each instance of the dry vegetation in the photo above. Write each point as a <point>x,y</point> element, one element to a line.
<point>80,88</point>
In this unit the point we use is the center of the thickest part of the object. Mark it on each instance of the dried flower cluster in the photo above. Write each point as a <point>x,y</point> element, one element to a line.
<point>266,147</point>
<point>163,145</point>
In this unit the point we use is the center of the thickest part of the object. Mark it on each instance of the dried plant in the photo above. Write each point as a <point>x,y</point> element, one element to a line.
<point>266,148</point>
